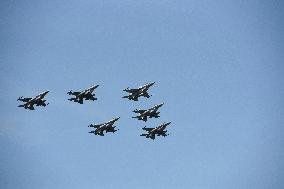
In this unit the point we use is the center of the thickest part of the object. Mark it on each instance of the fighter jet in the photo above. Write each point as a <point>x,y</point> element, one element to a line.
<point>30,102</point>
<point>85,94</point>
<point>107,127</point>
<point>160,131</point>
<point>151,112</point>
<point>134,94</point>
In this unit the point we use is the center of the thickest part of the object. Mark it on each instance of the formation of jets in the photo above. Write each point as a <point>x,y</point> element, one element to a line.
<point>101,129</point>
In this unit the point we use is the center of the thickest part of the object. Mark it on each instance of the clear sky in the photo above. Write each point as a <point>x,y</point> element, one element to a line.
<point>218,67</point>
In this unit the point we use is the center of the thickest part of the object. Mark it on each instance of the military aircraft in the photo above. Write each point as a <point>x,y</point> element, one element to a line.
<point>151,112</point>
<point>85,94</point>
<point>134,94</point>
<point>107,127</point>
<point>160,131</point>
<point>30,102</point>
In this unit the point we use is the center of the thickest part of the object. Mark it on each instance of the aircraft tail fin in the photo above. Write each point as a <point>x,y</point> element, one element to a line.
<point>20,98</point>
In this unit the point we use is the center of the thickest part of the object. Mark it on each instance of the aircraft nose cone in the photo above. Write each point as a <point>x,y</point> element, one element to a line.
<point>159,105</point>
<point>93,86</point>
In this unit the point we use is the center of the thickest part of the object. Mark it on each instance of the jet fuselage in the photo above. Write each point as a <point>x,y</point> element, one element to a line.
<point>37,100</point>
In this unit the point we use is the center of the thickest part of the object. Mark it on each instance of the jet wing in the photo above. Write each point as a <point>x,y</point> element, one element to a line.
<point>164,134</point>
<point>131,97</point>
<point>73,93</point>
<point>152,136</point>
<point>80,100</point>
<point>41,103</point>
<point>131,90</point>
<point>139,111</point>
<point>98,131</point>
<point>95,125</point>
<point>101,134</point>
<point>31,107</point>
<point>144,118</point>
<point>135,98</point>
<point>146,95</point>
<point>148,129</point>
<point>24,99</point>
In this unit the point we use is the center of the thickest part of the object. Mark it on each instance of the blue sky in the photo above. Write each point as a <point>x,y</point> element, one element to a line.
<point>218,67</point>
